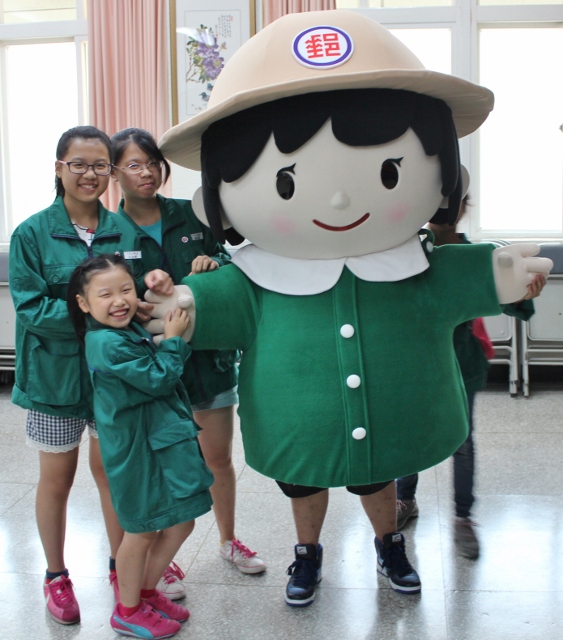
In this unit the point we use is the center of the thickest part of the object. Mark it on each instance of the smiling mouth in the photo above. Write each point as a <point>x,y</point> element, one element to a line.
<point>347,227</point>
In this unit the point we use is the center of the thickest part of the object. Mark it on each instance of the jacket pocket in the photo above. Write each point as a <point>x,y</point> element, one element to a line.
<point>179,457</point>
<point>53,371</point>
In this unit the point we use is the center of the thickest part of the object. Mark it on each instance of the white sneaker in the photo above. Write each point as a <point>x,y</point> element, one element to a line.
<point>171,584</point>
<point>242,557</point>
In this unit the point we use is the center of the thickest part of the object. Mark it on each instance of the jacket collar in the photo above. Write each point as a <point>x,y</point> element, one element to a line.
<point>137,329</point>
<point>171,215</point>
<point>60,224</point>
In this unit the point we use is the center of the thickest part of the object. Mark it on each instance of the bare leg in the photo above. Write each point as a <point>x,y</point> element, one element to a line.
<point>165,545</point>
<point>131,561</point>
<point>113,528</point>
<point>56,475</point>
<point>216,441</point>
<point>381,510</point>
<point>309,515</point>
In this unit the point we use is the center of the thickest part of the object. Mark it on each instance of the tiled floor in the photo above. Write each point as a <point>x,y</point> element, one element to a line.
<point>514,591</point>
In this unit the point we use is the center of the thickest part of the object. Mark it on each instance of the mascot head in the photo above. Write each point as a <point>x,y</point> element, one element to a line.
<point>325,137</point>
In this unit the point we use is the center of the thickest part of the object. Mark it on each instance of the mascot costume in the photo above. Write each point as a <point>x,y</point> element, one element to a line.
<point>328,145</point>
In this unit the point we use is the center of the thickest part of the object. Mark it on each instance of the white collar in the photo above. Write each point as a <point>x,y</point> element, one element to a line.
<point>299,277</point>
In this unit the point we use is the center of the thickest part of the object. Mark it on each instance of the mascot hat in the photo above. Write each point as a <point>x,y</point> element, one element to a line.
<point>322,51</point>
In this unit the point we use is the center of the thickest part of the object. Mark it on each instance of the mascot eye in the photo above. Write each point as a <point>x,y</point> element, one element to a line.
<point>390,172</point>
<point>285,183</point>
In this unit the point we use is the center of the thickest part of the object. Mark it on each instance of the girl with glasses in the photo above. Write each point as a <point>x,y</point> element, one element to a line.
<point>174,240</point>
<point>52,379</point>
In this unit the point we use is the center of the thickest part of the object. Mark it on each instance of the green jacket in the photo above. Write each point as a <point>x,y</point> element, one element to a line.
<point>51,372</point>
<point>184,237</point>
<point>156,473</point>
<point>471,357</point>
<point>320,408</point>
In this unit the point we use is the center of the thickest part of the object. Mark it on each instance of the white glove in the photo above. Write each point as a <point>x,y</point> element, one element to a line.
<point>514,268</point>
<point>162,305</point>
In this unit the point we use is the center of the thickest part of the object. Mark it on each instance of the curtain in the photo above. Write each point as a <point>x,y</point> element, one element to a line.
<point>274,9</point>
<point>128,53</point>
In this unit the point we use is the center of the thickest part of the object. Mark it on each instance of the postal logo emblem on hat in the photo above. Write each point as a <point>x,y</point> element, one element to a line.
<point>322,47</point>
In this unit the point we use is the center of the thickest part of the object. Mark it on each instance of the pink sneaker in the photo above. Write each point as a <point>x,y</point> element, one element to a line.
<point>163,605</point>
<point>61,601</point>
<point>144,623</point>
<point>171,583</point>
<point>115,584</point>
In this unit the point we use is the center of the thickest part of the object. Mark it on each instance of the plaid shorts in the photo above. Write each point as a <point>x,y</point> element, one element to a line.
<point>54,433</point>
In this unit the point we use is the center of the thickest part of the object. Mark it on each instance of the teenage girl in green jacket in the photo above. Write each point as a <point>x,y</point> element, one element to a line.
<point>174,240</point>
<point>52,379</point>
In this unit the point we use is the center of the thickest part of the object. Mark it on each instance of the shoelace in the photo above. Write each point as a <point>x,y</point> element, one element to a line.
<point>173,573</point>
<point>62,595</point>
<point>401,506</point>
<point>304,573</point>
<point>245,552</point>
<point>396,557</point>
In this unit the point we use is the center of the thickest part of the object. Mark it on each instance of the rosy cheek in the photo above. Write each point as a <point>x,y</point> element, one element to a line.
<point>282,225</point>
<point>398,212</point>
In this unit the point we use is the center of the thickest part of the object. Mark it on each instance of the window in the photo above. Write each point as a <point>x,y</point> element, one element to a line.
<point>514,47</point>
<point>42,82</point>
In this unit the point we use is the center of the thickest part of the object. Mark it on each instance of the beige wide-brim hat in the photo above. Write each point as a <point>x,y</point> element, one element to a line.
<point>289,57</point>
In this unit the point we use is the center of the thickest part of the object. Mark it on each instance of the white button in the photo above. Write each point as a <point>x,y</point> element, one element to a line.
<point>347,331</point>
<point>353,381</point>
<point>429,247</point>
<point>359,433</point>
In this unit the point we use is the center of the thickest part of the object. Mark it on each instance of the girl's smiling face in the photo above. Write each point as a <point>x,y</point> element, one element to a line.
<point>331,200</point>
<point>83,188</point>
<point>110,297</point>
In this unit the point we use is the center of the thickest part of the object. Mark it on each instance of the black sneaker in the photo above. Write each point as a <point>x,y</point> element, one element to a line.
<point>393,563</point>
<point>306,573</point>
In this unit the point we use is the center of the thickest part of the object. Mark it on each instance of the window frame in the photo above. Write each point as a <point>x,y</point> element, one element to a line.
<point>37,33</point>
<point>465,19</point>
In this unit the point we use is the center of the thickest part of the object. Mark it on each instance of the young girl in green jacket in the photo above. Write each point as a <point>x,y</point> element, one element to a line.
<point>173,239</point>
<point>157,476</point>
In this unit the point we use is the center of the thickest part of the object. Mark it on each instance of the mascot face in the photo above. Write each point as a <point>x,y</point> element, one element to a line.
<point>331,200</point>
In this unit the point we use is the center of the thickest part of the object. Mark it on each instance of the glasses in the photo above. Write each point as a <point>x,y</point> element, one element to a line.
<point>100,168</point>
<point>153,165</point>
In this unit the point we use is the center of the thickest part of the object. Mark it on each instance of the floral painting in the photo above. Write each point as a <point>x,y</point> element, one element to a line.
<point>205,40</point>
<point>205,60</point>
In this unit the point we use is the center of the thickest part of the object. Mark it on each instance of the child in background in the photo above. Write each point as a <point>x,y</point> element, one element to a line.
<point>471,352</point>
<point>157,477</point>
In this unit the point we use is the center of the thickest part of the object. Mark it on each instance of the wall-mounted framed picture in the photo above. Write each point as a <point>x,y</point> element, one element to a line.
<point>204,35</point>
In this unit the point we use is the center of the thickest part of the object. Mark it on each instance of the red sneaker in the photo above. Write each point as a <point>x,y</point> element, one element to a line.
<point>144,623</point>
<point>61,601</point>
<point>163,605</point>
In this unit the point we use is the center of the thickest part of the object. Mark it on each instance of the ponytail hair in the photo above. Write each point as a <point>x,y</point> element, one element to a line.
<point>80,278</point>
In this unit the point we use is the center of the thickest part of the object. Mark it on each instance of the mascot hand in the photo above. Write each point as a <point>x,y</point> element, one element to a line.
<point>514,269</point>
<point>181,297</point>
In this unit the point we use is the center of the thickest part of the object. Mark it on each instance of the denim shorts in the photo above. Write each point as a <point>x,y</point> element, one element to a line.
<point>55,434</point>
<point>224,399</point>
